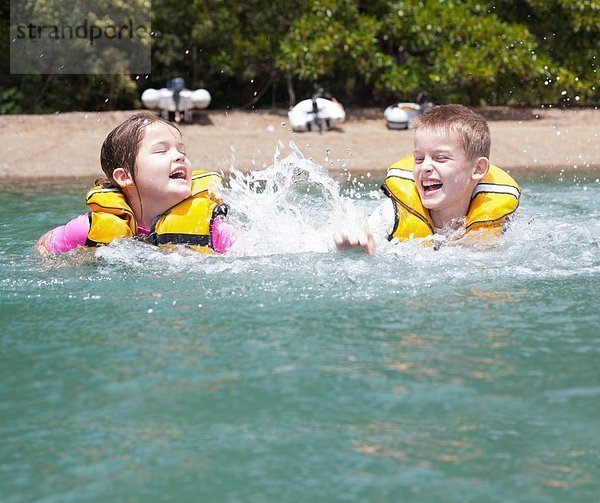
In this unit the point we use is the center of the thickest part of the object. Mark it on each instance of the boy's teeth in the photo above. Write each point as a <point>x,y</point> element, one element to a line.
<point>430,183</point>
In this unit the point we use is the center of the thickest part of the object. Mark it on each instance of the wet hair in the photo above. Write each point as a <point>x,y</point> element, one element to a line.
<point>471,127</point>
<point>121,146</point>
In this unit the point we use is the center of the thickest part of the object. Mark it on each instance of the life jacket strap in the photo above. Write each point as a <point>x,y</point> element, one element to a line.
<point>179,239</point>
<point>496,188</point>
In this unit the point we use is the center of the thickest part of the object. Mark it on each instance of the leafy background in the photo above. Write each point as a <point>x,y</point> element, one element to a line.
<point>262,54</point>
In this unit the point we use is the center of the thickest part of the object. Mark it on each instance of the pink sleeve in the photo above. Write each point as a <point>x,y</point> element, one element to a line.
<point>69,236</point>
<point>223,234</point>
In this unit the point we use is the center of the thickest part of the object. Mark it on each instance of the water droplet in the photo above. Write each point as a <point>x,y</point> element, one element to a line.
<point>283,124</point>
<point>150,311</point>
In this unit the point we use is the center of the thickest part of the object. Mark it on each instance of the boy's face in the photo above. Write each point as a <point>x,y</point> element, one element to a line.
<point>444,177</point>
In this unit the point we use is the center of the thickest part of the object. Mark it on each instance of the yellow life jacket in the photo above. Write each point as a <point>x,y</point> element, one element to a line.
<point>188,222</point>
<point>494,198</point>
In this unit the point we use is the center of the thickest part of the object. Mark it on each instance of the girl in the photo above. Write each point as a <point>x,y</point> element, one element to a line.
<point>150,191</point>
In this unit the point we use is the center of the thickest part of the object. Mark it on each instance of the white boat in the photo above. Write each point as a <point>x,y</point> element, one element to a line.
<point>402,115</point>
<point>183,101</point>
<point>317,114</point>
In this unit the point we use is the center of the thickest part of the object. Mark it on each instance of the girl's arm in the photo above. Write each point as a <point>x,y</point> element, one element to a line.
<point>74,233</point>
<point>66,237</point>
<point>222,234</point>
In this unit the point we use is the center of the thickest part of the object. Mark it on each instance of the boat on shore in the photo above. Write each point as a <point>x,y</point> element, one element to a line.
<point>316,114</point>
<point>176,99</point>
<point>401,115</point>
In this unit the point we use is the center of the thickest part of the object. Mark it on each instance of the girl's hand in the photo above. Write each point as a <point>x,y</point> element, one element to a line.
<point>42,246</point>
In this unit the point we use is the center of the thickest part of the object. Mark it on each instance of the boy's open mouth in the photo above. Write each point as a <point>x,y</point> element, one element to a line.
<point>431,185</point>
<point>178,174</point>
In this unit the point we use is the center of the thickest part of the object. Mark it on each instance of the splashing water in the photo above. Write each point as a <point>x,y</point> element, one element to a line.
<point>293,206</point>
<point>296,207</point>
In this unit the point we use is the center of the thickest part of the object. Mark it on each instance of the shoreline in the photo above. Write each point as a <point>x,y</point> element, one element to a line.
<point>66,146</point>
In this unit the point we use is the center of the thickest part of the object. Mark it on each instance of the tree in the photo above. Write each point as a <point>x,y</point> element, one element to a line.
<point>515,52</point>
<point>460,51</point>
<point>332,41</point>
<point>567,33</point>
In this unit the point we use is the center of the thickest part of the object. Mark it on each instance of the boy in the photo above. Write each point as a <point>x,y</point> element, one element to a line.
<point>447,187</point>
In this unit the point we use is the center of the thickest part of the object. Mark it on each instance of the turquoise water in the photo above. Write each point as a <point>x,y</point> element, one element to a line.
<point>293,373</point>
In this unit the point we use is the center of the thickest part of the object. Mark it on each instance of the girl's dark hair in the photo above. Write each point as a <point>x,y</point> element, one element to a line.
<point>121,146</point>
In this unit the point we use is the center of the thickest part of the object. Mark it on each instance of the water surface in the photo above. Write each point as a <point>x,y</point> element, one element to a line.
<point>294,373</point>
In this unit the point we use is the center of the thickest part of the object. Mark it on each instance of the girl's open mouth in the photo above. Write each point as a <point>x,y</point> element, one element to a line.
<point>178,174</point>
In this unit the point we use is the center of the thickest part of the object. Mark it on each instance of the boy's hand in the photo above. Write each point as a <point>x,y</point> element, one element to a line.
<point>363,239</point>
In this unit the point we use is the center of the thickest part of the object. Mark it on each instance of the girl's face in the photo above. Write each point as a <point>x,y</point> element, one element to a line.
<point>162,170</point>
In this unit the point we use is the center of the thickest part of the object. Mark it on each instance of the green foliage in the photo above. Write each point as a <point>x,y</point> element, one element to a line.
<point>567,33</point>
<point>330,37</point>
<point>9,101</point>
<point>47,93</point>
<point>515,52</point>
<point>463,52</point>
